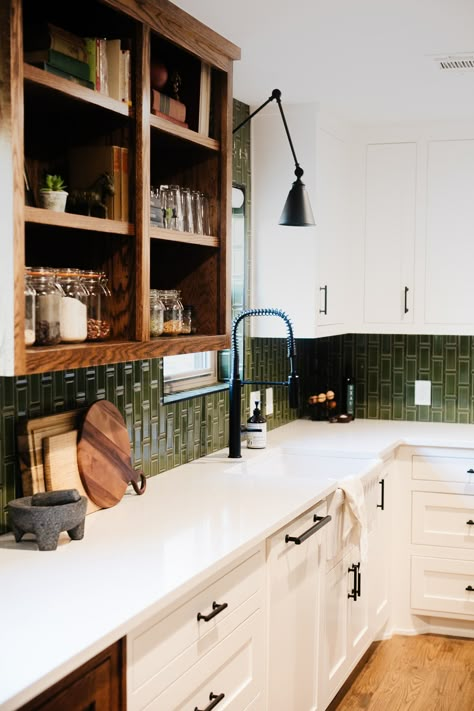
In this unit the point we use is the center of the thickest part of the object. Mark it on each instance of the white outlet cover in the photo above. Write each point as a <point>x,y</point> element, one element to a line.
<point>269,401</point>
<point>422,392</point>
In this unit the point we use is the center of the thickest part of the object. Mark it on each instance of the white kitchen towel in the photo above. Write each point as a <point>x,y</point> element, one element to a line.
<point>334,531</point>
<point>354,529</point>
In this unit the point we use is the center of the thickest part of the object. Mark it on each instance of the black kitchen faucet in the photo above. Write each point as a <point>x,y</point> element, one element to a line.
<point>235,391</point>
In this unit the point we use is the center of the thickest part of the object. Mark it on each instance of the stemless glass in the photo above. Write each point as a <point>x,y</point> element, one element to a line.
<point>188,219</point>
<point>172,207</point>
<point>196,199</point>
<point>206,220</point>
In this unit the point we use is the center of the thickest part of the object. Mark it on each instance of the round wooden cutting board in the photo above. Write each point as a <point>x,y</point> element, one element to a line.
<point>103,456</point>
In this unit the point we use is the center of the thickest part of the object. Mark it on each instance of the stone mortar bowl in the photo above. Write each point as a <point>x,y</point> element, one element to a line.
<point>47,522</point>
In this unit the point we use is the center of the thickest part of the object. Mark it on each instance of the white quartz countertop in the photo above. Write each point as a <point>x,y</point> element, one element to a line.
<point>62,607</point>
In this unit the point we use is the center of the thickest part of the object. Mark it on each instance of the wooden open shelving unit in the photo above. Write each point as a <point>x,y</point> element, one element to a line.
<point>44,115</point>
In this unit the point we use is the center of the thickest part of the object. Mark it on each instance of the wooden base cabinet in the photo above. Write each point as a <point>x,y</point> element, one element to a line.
<point>294,578</point>
<point>98,684</point>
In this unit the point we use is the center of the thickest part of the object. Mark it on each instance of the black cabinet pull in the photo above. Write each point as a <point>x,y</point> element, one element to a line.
<point>324,310</point>
<point>358,579</point>
<point>216,608</point>
<point>297,540</point>
<point>354,570</point>
<point>470,588</point>
<point>470,471</point>
<point>214,699</point>
<point>406,299</point>
<point>382,495</point>
<point>470,522</point>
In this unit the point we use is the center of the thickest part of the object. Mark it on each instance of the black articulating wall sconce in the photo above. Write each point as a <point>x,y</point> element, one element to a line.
<point>297,210</point>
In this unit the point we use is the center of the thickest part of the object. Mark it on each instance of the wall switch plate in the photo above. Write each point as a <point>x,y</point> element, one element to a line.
<point>255,397</point>
<point>422,392</point>
<point>269,401</point>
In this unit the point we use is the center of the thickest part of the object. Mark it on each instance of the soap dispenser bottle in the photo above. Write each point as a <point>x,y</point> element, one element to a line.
<point>257,430</point>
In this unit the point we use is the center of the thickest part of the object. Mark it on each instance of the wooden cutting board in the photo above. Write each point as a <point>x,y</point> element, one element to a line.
<point>60,465</point>
<point>30,436</point>
<point>103,456</point>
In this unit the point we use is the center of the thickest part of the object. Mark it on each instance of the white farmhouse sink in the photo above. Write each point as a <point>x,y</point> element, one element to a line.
<point>280,462</point>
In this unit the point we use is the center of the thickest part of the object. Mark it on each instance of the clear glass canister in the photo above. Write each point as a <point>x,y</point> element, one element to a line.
<point>173,313</point>
<point>98,305</point>
<point>156,313</point>
<point>73,306</point>
<point>48,307</point>
<point>188,320</point>
<point>30,306</point>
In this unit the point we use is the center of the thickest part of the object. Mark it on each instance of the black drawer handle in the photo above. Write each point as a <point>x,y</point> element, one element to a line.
<point>214,699</point>
<point>325,309</point>
<point>470,471</point>
<point>297,540</point>
<point>406,300</point>
<point>216,608</point>
<point>470,522</point>
<point>359,575</point>
<point>382,495</point>
<point>470,588</point>
<point>354,570</point>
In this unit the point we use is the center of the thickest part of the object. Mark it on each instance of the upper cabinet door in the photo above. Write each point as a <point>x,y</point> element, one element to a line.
<point>390,233</point>
<point>449,290</point>
<point>333,226</point>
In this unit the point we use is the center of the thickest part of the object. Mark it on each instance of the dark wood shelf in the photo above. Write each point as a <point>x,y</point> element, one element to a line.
<point>161,124</point>
<point>68,356</point>
<point>40,216</point>
<point>161,233</point>
<point>76,91</point>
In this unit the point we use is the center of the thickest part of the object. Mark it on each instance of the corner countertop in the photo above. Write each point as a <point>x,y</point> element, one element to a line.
<point>62,607</point>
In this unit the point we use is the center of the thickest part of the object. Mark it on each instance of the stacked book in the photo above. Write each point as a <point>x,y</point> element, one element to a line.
<point>168,108</point>
<point>59,52</point>
<point>94,62</point>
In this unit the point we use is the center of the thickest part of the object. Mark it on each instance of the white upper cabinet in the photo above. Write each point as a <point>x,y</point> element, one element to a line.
<point>449,287</point>
<point>303,270</point>
<point>390,233</point>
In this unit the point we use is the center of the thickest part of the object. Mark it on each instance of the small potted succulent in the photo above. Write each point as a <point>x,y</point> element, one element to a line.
<point>53,195</point>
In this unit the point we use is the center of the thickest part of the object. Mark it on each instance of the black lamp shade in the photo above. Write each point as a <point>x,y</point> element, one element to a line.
<point>297,211</point>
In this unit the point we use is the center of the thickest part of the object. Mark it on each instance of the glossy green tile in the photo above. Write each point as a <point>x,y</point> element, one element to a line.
<point>450,353</point>
<point>450,384</point>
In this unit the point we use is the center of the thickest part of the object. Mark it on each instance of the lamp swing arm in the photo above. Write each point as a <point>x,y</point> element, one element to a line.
<point>275,96</point>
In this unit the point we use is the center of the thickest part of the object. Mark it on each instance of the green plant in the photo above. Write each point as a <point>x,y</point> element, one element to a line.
<point>53,182</point>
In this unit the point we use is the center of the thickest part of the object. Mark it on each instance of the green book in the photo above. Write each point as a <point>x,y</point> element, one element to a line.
<point>66,75</point>
<point>68,64</point>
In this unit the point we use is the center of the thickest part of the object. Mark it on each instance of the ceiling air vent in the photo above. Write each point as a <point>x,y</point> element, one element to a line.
<point>458,62</point>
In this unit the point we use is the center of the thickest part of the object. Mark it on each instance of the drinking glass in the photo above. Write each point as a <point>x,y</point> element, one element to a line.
<point>188,218</point>
<point>196,200</point>
<point>172,207</point>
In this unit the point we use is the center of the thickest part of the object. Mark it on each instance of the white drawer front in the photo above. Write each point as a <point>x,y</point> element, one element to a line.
<point>234,668</point>
<point>443,520</point>
<point>439,585</point>
<point>436,468</point>
<point>162,649</point>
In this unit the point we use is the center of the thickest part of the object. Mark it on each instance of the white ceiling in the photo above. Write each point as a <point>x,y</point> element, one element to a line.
<point>368,60</point>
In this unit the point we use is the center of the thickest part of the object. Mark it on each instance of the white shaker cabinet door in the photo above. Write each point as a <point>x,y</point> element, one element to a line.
<point>390,233</point>
<point>449,291</point>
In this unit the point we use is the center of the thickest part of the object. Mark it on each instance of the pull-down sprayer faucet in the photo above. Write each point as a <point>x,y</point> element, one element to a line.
<point>235,391</point>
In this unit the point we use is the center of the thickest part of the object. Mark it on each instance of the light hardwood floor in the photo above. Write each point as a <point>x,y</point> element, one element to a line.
<point>422,673</point>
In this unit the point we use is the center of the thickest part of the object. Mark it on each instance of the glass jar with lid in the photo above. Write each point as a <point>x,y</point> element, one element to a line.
<point>30,306</point>
<point>173,312</point>
<point>157,309</point>
<point>98,305</point>
<point>73,323</point>
<point>47,306</point>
